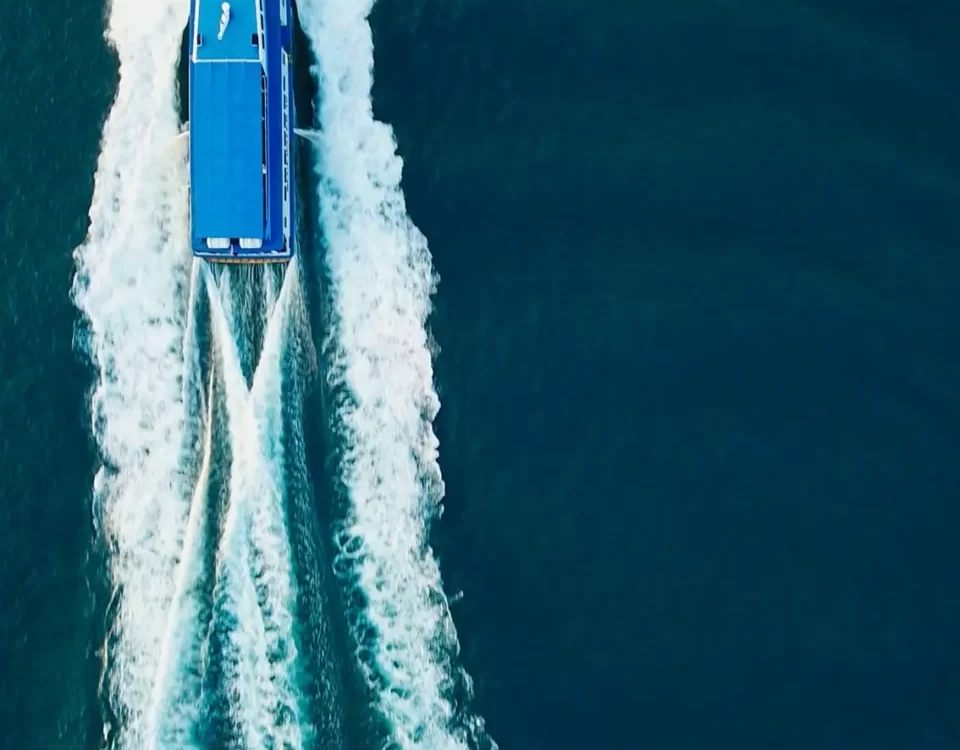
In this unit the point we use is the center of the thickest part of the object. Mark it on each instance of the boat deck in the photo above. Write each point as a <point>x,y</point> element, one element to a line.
<point>240,130</point>
<point>239,43</point>
<point>227,151</point>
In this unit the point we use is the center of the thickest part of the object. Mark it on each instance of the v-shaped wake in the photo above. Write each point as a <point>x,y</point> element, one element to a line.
<point>203,644</point>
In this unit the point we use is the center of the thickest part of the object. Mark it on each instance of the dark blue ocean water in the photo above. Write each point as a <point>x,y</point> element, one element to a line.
<point>699,327</point>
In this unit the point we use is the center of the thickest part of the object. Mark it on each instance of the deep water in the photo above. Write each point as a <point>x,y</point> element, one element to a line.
<point>699,360</point>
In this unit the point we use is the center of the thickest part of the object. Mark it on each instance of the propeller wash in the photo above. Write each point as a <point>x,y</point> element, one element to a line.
<point>202,646</point>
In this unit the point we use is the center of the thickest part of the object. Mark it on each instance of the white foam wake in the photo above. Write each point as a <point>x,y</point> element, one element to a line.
<point>177,686</point>
<point>381,280</point>
<point>254,567</point>
<point>130,285</point>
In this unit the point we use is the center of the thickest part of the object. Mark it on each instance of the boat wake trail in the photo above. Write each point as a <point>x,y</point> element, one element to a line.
<point>131,284</point>
<point>153,412</point>
<point>380,279</point>
<point>192,497</point>
<point>255,559</point>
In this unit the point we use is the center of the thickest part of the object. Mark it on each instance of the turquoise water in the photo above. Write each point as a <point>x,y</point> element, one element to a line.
<point>697,326</point>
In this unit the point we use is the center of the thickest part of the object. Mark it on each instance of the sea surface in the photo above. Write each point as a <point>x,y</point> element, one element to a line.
<point>697,350</point>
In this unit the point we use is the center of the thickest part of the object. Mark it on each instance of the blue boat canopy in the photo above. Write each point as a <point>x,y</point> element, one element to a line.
<point>227,183</point>
<point>241,130</point>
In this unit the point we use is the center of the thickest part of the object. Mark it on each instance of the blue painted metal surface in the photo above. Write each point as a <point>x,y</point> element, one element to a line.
<point>226,142</point>
<point>237,43</point>
<point>242,196</point>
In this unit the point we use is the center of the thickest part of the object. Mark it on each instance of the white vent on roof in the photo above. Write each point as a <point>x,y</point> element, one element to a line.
<point>224,19</point>
<point>218,243</point>
<point>251,243</point>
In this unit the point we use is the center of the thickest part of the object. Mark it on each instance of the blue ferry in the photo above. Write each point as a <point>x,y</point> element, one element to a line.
<point>241,130</point>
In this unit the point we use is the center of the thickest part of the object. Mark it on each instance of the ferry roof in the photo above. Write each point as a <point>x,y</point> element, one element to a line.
<point>239,38</point>
<point>226,145</point>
